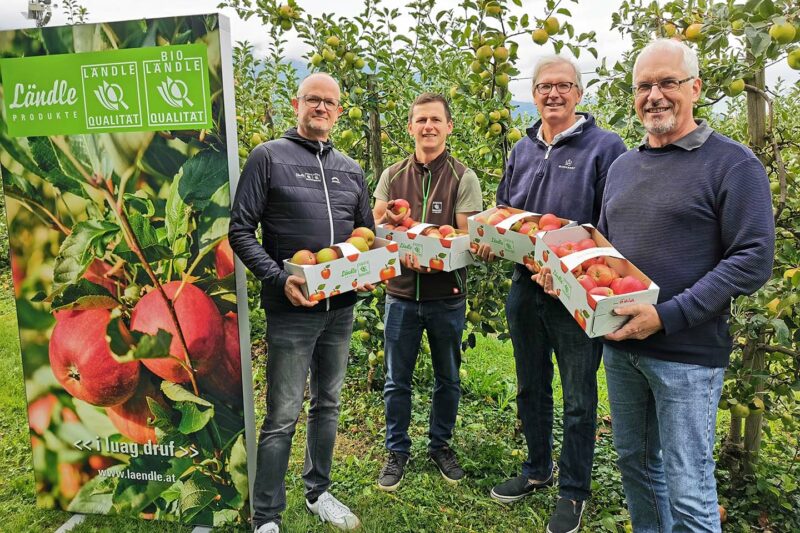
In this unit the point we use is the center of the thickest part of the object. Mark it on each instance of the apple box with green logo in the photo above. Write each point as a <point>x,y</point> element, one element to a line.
<point>594,313</point>
<point>504,238</point>
<point>353,268</point>
<point>431,252</point>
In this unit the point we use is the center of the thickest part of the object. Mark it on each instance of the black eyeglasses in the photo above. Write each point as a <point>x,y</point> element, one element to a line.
<point>314,101</point>
<point>562,87</point>
<point>665,86</point>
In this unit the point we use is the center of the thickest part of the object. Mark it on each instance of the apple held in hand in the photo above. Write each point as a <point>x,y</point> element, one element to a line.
<point>304,257</point>
<point>401,207</point>
<point>447,231</point>
<point>200,322</point>
<point>82,362</point>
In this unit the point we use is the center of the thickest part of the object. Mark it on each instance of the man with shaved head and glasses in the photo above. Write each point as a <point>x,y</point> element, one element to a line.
<point>558,167</point>
<point>304,194</point>
<point>692,209</point>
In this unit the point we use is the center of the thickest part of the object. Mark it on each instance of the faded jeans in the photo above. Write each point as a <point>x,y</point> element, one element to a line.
<point>664,417</point>
<point>318,342</point>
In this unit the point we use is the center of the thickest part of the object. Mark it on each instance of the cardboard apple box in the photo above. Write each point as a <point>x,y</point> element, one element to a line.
<point>593,313</point>
<point>504,242</point>
<point>437,254</point>
<point>353,268</point>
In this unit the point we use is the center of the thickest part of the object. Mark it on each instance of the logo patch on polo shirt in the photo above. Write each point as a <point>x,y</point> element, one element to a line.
<point>567,165</point>
<point>334,179</point>
<point>436,207</point>
<point>308,176</point>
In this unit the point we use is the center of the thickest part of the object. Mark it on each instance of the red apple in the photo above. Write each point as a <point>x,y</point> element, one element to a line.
<point>529,228</point>
<point>406,222</point>
<point>199,320</point>
<point>326,273</point>
<point>565,248</point>
<point>82,362</point>
<point>70,480</point>
<point>40,412</point>
<point>548,227</point>
<point>447,230</point>
<point>388,227</point>
<point>304,257</point>
<point>97,273</point>
<point>496,218</point>
<point>549,219</point>
<point>224,379</point>
<point>317,296</point>
<point>223,258</point>
<point>601,274</point>
<point>593,261</point>
<point>587,282</point>
<point>585,244</point>
<point>436,264</point>
<point>401,207</point>
<point>366,234</point>
<point>131,418</point>
<point>615,285</point>
<point>629,284</point>
<point>579,319</point>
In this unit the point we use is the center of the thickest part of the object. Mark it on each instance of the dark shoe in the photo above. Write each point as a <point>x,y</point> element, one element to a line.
<point>567,516</point>
<point>392,472</point>
<point>518,487</point>
<point>446,461</point>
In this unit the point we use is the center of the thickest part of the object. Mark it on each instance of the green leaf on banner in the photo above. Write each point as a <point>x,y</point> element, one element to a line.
<point>88,239</point>
<point>44,153</point>
<point>94,418</point>
<point>161,160</point>
<point>140,202</point>
<point>214,221</point>
<point>96,495</point>
<point>147,237</point>
<point>238,467</point>
<point>198,492</point>
<point>193,419</point>
<point>176,393</point>
<point>131,496</point>
<point>83,295</point>
<point>127,345</point>
<point>202,175</point>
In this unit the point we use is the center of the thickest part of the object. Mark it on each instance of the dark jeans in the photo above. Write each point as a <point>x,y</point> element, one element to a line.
<point>297,343</point>
<point>540,325</point>
<point>404,322</point>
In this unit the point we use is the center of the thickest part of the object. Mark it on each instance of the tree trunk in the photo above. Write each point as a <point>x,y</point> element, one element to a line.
<point>757,128</point>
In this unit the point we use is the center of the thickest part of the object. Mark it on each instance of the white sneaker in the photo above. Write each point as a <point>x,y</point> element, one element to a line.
<point>269,527</point>
<point>331,510</point>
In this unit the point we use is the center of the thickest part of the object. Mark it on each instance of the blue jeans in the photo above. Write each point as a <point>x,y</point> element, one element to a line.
<point>297,343</point>
<point>540,325</point>
<point>664,416</point>
<point>404,321</point>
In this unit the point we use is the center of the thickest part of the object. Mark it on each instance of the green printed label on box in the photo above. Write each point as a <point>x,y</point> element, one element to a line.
<point>140,89</point>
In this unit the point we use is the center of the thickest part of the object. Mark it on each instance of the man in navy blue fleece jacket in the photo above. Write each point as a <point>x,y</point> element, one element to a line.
<point>692,209</point>
<point>559,167</point>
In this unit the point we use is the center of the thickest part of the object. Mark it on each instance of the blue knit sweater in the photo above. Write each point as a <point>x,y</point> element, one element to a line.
<point>696,217</point>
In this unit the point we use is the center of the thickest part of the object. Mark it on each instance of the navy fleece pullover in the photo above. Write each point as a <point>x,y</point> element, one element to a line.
<point>696,217</point>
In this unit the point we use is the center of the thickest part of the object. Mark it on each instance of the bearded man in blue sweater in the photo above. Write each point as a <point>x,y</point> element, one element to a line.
<point>559,167</point>
<point>692,209</point>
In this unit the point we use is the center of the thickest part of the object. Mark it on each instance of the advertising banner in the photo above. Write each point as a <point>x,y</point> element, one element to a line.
<point>118,157</point>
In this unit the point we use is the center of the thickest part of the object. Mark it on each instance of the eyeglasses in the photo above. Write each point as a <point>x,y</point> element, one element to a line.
<point>665,86</point>
<point>562,87</point>
<point>314,101</point>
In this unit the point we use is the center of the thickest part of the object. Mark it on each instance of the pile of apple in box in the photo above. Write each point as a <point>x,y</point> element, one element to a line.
<point>437,247</point>
<point>361,259</point>
<point>592,278</point>
<point>511,233</point>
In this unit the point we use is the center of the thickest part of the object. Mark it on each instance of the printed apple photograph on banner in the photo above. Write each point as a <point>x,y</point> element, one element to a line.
<point>114,159</point>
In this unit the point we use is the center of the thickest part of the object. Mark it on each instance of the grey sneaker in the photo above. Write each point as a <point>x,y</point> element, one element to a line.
<point>392,472</point>
<point>518,487</point>
<point>331,510</point>
<point>446,462</point>
<point>269,527</point>
<point>567,516</point>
